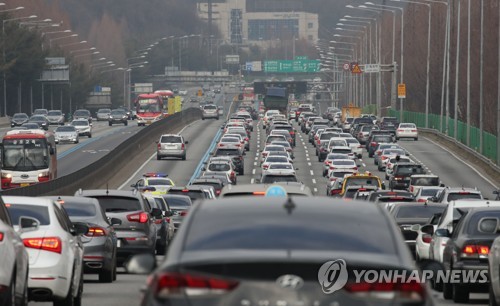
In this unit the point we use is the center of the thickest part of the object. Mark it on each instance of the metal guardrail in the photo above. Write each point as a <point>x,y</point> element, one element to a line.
<point>482,158</point>
<point>101,171</point>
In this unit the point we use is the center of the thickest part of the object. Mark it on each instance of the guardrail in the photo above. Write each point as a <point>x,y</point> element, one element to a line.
<point>101,171</point>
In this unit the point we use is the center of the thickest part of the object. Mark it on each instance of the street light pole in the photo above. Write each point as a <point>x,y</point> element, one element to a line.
<point>457,68</point>
<point>468,74</point>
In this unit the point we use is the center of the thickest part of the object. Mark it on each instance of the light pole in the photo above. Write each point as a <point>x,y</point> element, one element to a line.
<point>355,80</point>
<point>427,84</point>
<point>59,38</point>
<point>81,50</point>
<point>457,68</point>
<point>4,57</point>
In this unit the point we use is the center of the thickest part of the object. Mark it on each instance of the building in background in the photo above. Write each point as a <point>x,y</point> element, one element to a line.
<point>261,22</point>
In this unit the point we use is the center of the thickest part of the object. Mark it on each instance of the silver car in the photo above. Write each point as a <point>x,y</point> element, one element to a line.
<point>55,117</point>
<point>66,133</point>
<point>103,114</point>
<point>171,145</point>
<point>210,111</point>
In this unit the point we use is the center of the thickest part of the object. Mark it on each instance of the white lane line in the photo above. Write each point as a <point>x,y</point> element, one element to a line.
<point>315,189</point>
<point>309,164</point>
<point>314,181</point>
<point>308,159</point>
<point>363,164</point>
<point>255,163</point>
<point>464,162</point>
<point>149,159</point>
<point>312,173</point>
<point>252,181</point>
<point>253,171</point>
<point>256,157</point>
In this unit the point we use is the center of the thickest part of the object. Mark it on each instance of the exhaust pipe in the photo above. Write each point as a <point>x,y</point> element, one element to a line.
<point>40,294</point>
<point>94,265</point>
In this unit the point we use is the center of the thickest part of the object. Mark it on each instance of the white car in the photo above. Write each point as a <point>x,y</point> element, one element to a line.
<point>279,168</point>
<point>274,159</point>
<point>425,193</point>
<point>83,126</point>
<point>15,261</point>
<point>267,115</point>
<point>66,133</point>
<point>328,161</point>
<point>424,237</point>
<point>337,142</point>
<point>269,148</point>
<point>342,164</point>
<point>54,248</point>
<point>227,142</point>
<point>407,130</point>
<point>343,150</point>
<point>221,167</point>
<point>356,147</point>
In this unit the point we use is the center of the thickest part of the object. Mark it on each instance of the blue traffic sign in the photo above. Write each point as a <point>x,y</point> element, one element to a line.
<point>276,191</point>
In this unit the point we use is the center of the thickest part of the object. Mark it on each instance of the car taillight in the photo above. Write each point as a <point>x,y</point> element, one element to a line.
<point>183,213</point>
<point>384,157</point>
<point>159,146</point>
<point>360,146</point>
<point>473,250</point>
<point>422,200</point>
<point>265,167</point>
<point>332,168</point>
<point>182,147</point>
<point>404,291</point>
<point>398,178</point>
<point>400,130</point>
<point>168,284</point>
<point>373,144</point>
<point>292,133</point>
<point>355,168</point>
<point>1,236</point>
<point>96,231</point>
<point>138,217</point>
<point>217,192</point>
<point>426,238</point>
<point>51,244</point>
<point>414,131</point>
<point>246,138</point>
<point>335,191</point>
<point>158,221</point>
<point>379,153</point>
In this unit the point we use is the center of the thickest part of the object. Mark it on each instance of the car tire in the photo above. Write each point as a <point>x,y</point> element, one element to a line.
<point>158,157</point>
<point>110,124</point>
<point>10,297</point>
<point>161,249</point>
<point>90,135</point>
<point>24,300</point>
<point>379,168</point>
<point>77,141</point>
<point>397,138</point>
<point>416,138</point>
<point>491,296</point>
<point>68,300</point>
<point>460,293</point>
<point>125,123</point>
<point>77,300</point>
<point>184,156</point>
<point>106,275</point>
<point>447,291</point>
<point>202,118</point>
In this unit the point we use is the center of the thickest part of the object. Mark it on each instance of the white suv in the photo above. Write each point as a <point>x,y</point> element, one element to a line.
<point>54,248</point>
<point>210,111</point>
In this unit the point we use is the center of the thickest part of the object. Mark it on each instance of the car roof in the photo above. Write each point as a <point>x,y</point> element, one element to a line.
<point>108,192</point>
<point>37,201</point>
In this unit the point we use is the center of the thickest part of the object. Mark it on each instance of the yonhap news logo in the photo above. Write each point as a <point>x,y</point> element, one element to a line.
<point>333,275</point>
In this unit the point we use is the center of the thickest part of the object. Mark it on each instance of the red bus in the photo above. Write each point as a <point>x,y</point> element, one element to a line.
<point>149,108</point>
<point>28,157</point>
<point>248,93</point>
<point>165,95</point>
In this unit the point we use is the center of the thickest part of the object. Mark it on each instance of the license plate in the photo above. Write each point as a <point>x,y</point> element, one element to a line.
<point>149,122</point>
<point>25,184</point>
<point>118,243</point>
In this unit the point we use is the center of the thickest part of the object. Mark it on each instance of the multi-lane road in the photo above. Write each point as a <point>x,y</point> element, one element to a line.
<point>201,133</point>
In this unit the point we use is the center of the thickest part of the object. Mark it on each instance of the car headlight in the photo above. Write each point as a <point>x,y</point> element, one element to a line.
<point>110,117</point>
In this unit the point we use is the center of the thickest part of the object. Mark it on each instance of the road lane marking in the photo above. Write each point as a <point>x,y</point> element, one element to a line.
<point>309,164</point>
<point>252,181</point>
<point>315,190</point>
<point>314,181</point>
<point>308,159</point>
<point>256,157</point>
<point>312,173</point>
<point>253,171</point>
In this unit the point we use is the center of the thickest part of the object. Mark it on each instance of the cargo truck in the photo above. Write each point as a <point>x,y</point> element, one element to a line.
<point>276,98</point>
<point>350,111</point>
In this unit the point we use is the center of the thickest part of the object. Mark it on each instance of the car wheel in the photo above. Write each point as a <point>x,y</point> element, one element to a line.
<point>316,153</point>
<point>447,291</point>
<point>161,249</point>
<point>493,300</point>
<point>10,297</point>
<point>379,168</point>
<point>416,138</point>
<point>77,141</point>
<point>24,299</point>
<point>125,123</point>
<point>460,293</point>
<point>106,274</point>
<point>90,135</point>
<point>397,138</point>
<point>184,156</point>
<point>202,118</point>
<point>77,300</point>
<point>68,300</point>
<point>158,157</point>
<point>110,124</point>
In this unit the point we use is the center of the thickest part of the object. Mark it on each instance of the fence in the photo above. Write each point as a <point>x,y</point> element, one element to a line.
<point>489,147</point>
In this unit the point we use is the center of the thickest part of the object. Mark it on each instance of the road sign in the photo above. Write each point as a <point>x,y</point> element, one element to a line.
<point>346,66</point>
<point>276,191</point>
<point>401,91</point>
<point>371,68</point>
<point>356,68</point>
<point>232,59</point>
<point>289,66</point>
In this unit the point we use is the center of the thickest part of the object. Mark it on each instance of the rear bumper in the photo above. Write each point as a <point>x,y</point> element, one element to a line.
<point>166,153</point>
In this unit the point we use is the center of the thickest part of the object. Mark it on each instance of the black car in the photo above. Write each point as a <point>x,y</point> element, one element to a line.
<point>409,214</point>
<point>236,157</point>
<point>195,192</point>
<point>277,250</point>
<point>402,173</point>
<point>386,195</point>
<point>18,119</point>
<point>467,250</point>
<point>40,120</point>
<point>118,116</point>
<point>137,232</point>
<point>371,146</point>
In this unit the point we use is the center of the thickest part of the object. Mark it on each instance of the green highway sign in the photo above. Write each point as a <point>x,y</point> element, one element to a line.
<point>291,66</point>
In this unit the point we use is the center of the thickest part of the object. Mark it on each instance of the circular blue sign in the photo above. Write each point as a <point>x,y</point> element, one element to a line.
<point>276,191</point>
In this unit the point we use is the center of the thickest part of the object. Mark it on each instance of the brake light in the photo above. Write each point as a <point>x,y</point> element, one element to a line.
<point>400,130</point>
<point>414,131</point>
<point>138,217</point>
<point>168,284</point>
<point>332,168</point>
<point>265,167</point>
<point>355,168</point>
<point>182,147</point>
<point>167,219</point>
<point>422,200</point>
<point>426,238</point>
<point>373,144</point>
<point>379,153</point>
<point>1,236</point>
<point>384,157</point>
<point>183,213</point>
<point>158,221</point>
<point>159,146</point>
<point>464,192</point>
<point>217,192</point>
<point>96,232</point>
<point>398,178</point>
<point>335,191</point>
<point>246,138</point>
<point>51,244</point>
<point>408,291</point>
<point>220,145</point>
<point>473,250</point>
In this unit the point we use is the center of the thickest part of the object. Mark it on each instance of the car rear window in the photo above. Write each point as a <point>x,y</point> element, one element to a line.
<point>420,211</point>
<point>80,209</point>
<point>219,167</point>
<point>193,194</point>
<point>484,223</point>
<point>463,195</point>
<point>154,182</point>
<point>171,139</point>
<point>269,179</point>
<point>226,152</point>
<point>425,181</point>
<point>118,204</point>
<point>410,169</point>
<point>213,184</point>
<point>382,139</point>
<point>341,151</point>
<point>177,202</point>
<point>252,228</point>
<point>429,192</point>
<point>210,107</point>
<point>41,213</point>
<point>359,181</point>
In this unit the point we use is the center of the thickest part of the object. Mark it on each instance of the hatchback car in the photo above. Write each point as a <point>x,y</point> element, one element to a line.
<point>83,126</point>
<point>210,111</point>
<point>99,243</point>
<point>66,133</point>
<point>171,145</point>
<point>54,248</point>
<point>137,232</point>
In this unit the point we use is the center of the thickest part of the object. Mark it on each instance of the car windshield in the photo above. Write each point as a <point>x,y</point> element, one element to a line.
<point>81,113</point>
<point>118,113</point>
<point>54,113</point>
<point>178,202</point>
<point>118,204</point>
<point>409,170</point>
<point>171,139</point>
<point>25,154</point>
<point>425,181</point>
<point>66,128</point>
<point>158,182</point>
<point>80,209</point>
<point>420,211</point>
<point>269,179</point>
<point>210,107</point>
<point>41,213</point>
<point>104,111</point>
<point>20,116</point>
<point>37,118</point>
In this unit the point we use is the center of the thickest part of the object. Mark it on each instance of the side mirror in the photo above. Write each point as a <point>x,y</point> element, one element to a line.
<point>141,264</point>
<point>203,169</point>
<point>496,192</point>
<point>80,228</point>
<point>28,224</point>
<point>427,229</point>
<point>157,141</point>
<point>156,212</point>
<point>442,232</point>
<point>115,221</point>
<point>383,186</point>
<point>133,185</point>
<point>186,142</point>
<point>433,199</point>
<point>415,227</point>
<point>257,181</point>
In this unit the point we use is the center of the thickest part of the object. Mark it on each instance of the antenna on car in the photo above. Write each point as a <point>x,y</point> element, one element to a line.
<point>80,191</point>
<point>107,189</point>
<point>289,205</point>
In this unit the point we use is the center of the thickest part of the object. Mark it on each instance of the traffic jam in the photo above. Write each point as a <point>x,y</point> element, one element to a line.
<point>265,237</point>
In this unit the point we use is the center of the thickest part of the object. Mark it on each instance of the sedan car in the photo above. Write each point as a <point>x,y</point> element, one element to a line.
<point>55,117</point>
<point>66,133</point>
<point>205,260</point>
<point>18,119</point>
<point>103,114</point>
<point>82,114</point>
<point>54,248</point>
<point>99,243</point>
<point>41,121</point>
<point>407,130</point>
<point>83,127</point>
<point>118,116</point>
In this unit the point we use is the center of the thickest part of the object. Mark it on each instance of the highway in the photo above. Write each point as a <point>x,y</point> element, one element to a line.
<point>200,134</point>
